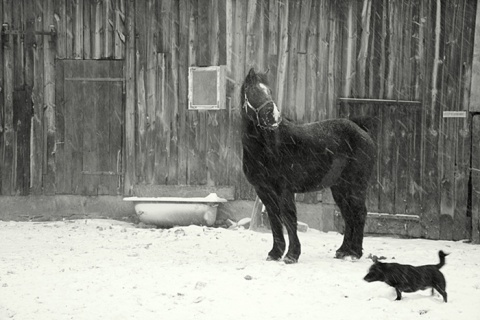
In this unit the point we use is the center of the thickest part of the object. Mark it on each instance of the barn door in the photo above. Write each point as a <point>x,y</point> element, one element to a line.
<point>89,123</point>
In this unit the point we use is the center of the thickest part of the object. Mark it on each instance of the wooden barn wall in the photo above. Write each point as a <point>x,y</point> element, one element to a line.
<point>316,51</point>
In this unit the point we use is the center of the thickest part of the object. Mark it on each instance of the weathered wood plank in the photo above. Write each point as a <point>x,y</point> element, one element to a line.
<point>162,129</point>
<point>49,101</point>
<point>129,155</point>
<point>475,94</point>
<point>119,30</point>
<point>183,36</point>
<point>62,180</point>
<point>8,152</point>
<point>37,97</point>
<point>475,213</point>
<point>172,85</point>
<point>78,30</point>
<point>282,69</point>
<point>150,92</point>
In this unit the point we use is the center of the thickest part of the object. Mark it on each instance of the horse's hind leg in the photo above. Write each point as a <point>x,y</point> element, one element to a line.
<point>351,202</point>
<point>271,201</point>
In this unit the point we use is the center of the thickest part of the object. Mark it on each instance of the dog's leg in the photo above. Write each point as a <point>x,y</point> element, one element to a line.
<point>442,292</point>
<point>271,201</point>
<point>399,294</point>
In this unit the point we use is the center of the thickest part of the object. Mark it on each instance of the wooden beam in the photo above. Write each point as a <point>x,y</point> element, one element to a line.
<point>380,101</point>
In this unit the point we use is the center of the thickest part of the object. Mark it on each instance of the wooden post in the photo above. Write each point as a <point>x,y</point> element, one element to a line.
<point>129,167</point>
<point>475,106</point>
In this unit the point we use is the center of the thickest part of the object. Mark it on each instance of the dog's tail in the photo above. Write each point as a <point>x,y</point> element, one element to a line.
<point>442,256</point>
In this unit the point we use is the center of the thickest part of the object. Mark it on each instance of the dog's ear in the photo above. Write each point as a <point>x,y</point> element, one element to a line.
<point>375,259</point>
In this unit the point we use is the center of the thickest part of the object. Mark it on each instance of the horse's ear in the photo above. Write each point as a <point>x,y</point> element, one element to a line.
<point>251,73</point>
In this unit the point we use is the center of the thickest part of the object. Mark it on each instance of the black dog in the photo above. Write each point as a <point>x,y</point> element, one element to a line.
<point>407,278</point>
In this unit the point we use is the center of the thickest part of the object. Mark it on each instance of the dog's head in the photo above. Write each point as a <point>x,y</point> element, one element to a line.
<point>375,273</point>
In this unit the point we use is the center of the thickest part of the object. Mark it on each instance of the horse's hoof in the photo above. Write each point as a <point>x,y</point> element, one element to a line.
<point>289,260</point>
<point>270,258</point>
<point>342,254</point>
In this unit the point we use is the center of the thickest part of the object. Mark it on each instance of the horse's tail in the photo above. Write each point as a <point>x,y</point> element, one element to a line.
<point>366,123</point>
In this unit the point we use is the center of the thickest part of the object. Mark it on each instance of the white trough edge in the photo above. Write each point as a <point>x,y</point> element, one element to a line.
<point>211,198</point>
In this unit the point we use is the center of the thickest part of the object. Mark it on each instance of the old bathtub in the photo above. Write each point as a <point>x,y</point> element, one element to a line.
<point>168,212</point>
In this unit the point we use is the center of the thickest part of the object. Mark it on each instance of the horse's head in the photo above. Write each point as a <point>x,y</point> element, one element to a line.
<point>257,102</point>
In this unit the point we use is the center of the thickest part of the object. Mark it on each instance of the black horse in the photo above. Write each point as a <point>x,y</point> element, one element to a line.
<point>281,158</point>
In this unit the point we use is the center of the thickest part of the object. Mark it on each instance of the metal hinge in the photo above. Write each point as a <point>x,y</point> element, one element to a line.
<point>6,31</point>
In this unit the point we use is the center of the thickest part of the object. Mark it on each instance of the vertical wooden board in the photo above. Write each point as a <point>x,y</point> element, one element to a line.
<point>108,19</point>
<point>319,112</point>
<point>92,136</point>
<point>184,15</point>
<point>172,80</point>
<point>273,27</point>
<point>103,150</point>
<point>87,30</point>
<point>98,25</point>
<point>129,156</point>
<point>203,30</point>
<point>102,147</point>
<point>300,94</point>
<point>36,165</point>
<point>116,128</point>
<point>119,30</point>
<point>192,117</point>
<point>350,47</point>
<point>387,199</point>
<point>78,30</point>
<point>69,31</point>
<point>311,86</point>
<point>475,173</point>
<point>29,75</point>
<point>49,101</point>
<point>62,181</point>
<point>294,21</point>
<point>366,14</point>
<point>333,63</point>
<point>141,51</point>
<point>21,121</point>
<point>475,94</point>
<point>462,214</point>
<point>161,125</point>
<point>74,122</point>
<point>213,123</point>
<point>7,143</point>
<point>150,91</point>
<point>448,126</point>
<point>60,14</point>
<point>402,156</point>
<point>282,69</point>
<point>18,23</point>
<point>237,177</point>
<point>431,182</point>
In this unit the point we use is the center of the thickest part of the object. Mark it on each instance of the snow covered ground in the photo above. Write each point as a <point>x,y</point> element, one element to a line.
<point>105,269</point>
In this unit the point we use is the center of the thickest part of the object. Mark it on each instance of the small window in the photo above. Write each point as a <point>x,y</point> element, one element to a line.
<point>206,88</point>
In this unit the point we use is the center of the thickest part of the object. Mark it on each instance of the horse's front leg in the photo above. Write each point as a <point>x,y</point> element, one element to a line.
<point>289,217</point>
<point>271,201</point>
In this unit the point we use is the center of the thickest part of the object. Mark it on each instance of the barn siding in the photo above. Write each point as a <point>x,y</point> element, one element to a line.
<point>316,51</point>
